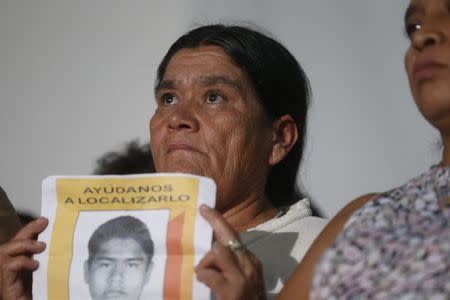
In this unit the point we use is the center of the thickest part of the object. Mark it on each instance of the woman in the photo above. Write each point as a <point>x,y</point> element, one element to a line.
<point>397,244</point>
<point>231,105</point>
<point>393,245</point>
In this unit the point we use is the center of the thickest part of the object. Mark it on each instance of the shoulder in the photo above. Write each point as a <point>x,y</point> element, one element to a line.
<point>300,281</point>
<point>344,214</point>
<point>9,222</point>
<point>6,207</point>
<point>294,229</point>
<point>334,227</point>
<point>295,217</point>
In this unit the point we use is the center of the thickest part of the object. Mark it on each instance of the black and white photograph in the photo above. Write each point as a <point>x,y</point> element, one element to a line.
<point>116,253</point>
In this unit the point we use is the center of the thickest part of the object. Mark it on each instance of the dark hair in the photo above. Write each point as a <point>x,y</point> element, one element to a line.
<point>134,159</point>
<point>123,227</point>
<point>279,81</point>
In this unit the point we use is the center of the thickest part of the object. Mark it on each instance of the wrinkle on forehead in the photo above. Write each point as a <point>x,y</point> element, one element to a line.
<point>204,66</point>
<point>204,80</point>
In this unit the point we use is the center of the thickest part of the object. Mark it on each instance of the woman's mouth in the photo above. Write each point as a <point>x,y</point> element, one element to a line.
<point>427,70</point>
<point>180,146</point>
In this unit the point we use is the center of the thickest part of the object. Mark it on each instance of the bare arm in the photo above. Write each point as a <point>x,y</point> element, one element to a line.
<point>299,283</point>
<point>9,222</point>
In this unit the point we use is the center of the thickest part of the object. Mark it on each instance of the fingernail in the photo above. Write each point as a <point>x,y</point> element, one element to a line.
<point>40,244</point>
<point>205,207</point>
<point>41,220</point>
<point>35,263</point>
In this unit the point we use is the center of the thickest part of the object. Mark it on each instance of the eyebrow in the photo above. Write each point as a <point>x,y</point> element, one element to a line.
<point>97,258</point>
<point>137,259</point>
<point>107,258</point>
<point>220,79</point>
<point>412,9</point>
<point>208,80</point>
<point>165,84</point>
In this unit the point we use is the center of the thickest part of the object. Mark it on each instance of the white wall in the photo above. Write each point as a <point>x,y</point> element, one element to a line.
<point>76,80</point>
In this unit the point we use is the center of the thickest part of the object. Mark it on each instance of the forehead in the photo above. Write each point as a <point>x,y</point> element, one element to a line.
<point>412,8</point>
<point>426,2</point>
<point>202,61</point>
<point>416,6</point>
<point>120,248</point>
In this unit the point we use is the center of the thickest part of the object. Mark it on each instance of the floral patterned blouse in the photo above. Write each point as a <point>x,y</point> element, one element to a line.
<point>396,246</point>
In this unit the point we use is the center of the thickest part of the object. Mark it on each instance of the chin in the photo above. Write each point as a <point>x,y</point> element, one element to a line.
<point>433,100</point>
<point>438,115</point>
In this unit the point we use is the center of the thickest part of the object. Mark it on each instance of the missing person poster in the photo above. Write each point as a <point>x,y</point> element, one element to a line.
<point>123,237</point>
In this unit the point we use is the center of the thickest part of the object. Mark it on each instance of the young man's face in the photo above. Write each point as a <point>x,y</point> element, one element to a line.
<point>119,270</point>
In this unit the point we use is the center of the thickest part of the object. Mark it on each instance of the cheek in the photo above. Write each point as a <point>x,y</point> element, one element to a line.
<point>229,132</point>
<point>98,281</point>
<point>224,142</point>
<point>409,61</point>
<point>246,142</point>
<point>134,277</point>
<point>152,125</point>
<point>155,135</point>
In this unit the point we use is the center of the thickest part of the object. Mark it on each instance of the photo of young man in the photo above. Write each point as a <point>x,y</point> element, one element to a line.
<point>120,259</point>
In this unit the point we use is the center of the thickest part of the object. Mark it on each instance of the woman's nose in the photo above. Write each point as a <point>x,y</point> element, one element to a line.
<point>184,117</point>
<point>430,34</point>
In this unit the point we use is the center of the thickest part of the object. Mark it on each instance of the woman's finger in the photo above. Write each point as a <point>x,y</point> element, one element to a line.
<point>222,230</point>
<point>32,229</point>
<point>253,272</point>
<point>207,261</point>
<point>220,258</point>
<point>221,273</point>
<point>18,247</point>
<point>248,262</point>
<point>230,270</point>
<point>212,279</point>
<point>18,264</point>
<point>228,279</point>
<point>16,278</point>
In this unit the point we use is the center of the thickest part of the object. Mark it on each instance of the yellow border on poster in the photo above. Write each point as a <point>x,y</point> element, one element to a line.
<point>176,193</point>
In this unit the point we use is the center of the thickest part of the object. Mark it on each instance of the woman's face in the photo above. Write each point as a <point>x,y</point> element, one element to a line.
<point>210,122</point>
<point>427,61</point>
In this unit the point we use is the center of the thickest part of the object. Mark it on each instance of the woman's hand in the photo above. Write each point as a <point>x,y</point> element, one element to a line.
<point>230,271</point>
<point>17,263</point>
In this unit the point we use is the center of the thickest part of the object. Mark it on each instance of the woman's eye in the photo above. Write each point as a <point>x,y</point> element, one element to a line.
<point>411,28</point>
<point>213,98</point>
<point>168,99</point>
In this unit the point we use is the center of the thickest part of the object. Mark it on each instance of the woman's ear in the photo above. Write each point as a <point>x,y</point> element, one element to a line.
<point>285,135</point>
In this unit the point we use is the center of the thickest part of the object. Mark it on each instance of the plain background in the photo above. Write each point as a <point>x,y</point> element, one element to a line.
<point>76,81</point>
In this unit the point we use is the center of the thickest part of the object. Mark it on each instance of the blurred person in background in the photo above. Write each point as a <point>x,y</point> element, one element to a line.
<point>9,221</point>
<point>134,158</point>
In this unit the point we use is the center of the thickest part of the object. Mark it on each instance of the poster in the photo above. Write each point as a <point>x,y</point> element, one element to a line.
<point>123,237</point>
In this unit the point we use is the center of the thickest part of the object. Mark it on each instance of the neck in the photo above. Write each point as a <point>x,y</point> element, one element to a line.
<point>250,213</point>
